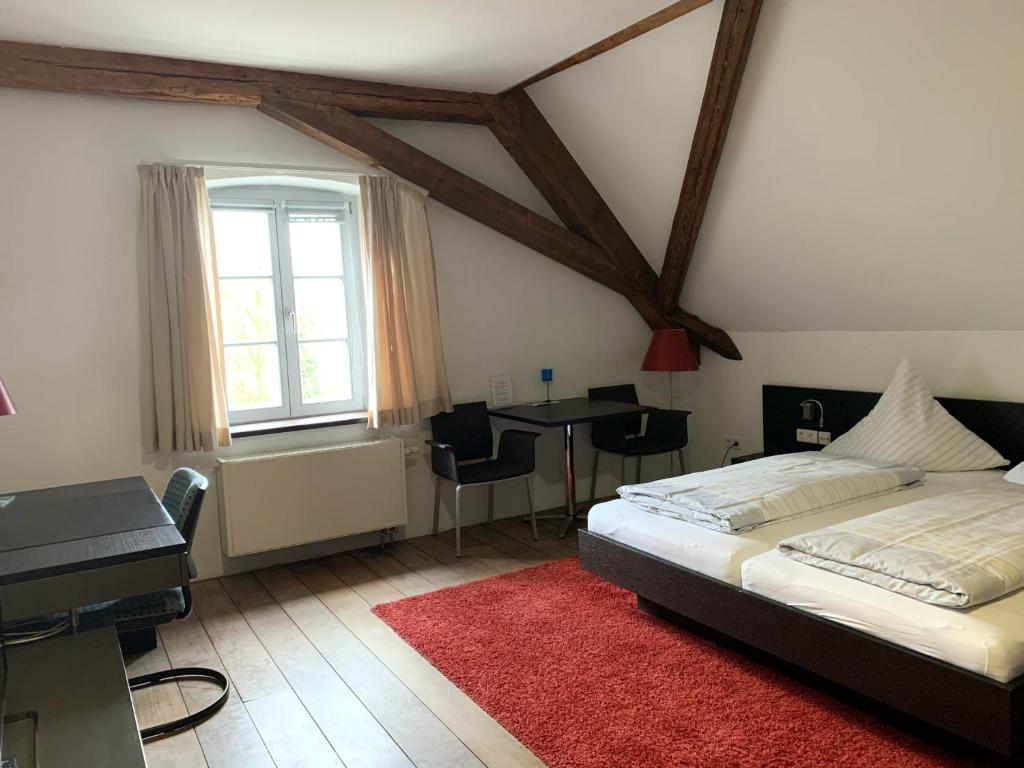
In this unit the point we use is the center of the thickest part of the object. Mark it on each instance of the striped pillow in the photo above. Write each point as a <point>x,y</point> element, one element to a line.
<point>908,426</point>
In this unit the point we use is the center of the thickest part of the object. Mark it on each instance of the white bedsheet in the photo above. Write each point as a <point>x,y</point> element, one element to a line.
<point>721,555</point>
<point>988,639</point>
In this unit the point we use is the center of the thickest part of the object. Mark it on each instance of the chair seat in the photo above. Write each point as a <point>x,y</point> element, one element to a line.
<point>490,471</point>
<point>643,445</point>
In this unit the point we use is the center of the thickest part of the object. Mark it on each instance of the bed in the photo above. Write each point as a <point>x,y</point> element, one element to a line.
<point>960,694</point>
<point>722,555</point>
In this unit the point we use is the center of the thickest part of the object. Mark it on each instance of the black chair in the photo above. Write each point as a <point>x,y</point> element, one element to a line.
<point>461,453</point>
<point>625,437</point>
<point>136,618</point>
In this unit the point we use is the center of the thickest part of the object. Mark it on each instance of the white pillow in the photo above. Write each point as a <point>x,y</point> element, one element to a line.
<point>1015,475</point>
<point>908,426</point>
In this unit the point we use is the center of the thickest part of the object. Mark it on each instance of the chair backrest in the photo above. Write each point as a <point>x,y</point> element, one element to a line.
<point>183,499</point>
<point>619,393</point>
<point>467,428</point>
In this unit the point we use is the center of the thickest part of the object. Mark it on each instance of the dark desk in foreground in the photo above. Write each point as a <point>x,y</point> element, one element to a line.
<point>66,548</point>
<point>567,414</point>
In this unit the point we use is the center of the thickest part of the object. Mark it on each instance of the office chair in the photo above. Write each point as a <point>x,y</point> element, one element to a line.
<point>665,433</point>
<point>460,453</point>
<point>136,618</point>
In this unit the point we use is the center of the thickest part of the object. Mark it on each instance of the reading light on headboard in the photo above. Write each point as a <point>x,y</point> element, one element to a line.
<point>808,412</point>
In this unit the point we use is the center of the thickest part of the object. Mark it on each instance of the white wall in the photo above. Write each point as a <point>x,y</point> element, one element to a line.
<point>69,306</point>
<point>873,176</point>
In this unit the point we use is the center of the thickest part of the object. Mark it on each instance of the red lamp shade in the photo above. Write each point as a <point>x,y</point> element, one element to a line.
<point>6,404</point>
<point>670,350</point>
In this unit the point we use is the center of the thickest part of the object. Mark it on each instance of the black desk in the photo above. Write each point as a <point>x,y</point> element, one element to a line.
<point>67,547</point>
<point>62,549</point>
<point>567,414</point>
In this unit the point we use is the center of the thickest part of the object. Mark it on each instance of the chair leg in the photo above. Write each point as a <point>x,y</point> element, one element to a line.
<point>682,463</point>
<point>437,502</point>
<point>533,514</point>
<point>639,464</point>
<point>593,477</point>
<point>490,504</point>
<point>458,520</point>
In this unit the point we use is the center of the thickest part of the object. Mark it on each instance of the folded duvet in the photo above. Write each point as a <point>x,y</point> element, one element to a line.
<point>746,496</point>
<point>957,549</point>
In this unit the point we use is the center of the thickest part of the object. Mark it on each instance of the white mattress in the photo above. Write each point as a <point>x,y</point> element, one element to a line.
<point>988,639</point>
<point>721,555</point>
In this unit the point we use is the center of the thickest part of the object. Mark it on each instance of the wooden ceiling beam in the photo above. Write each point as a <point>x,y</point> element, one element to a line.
<point>735,35</point>
<point>655,20</point>
<point>536,147</point>
<point>356,137</point>
<point>105,73</point>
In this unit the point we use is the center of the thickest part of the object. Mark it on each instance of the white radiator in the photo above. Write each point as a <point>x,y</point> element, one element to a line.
<point>284,499</point>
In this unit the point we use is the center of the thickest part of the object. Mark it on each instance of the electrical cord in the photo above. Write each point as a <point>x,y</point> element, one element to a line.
<point>733,445</point>
<point>13,638</point>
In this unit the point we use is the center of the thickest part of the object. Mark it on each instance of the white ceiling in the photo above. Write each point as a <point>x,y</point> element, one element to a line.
<point>483,45</point>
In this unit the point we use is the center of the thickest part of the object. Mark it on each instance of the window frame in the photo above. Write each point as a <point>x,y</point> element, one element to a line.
<point>278,202</point>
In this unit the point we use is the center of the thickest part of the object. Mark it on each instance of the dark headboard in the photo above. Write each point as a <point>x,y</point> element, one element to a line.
<point>999,423</point>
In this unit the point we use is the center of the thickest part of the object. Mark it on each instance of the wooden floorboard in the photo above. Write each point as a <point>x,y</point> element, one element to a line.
<point>317,679</point>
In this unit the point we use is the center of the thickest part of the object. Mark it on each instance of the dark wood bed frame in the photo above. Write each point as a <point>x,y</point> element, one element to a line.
<point>968,705</point>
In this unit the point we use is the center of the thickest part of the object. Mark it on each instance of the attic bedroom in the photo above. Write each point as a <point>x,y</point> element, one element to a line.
<point>575,384</point>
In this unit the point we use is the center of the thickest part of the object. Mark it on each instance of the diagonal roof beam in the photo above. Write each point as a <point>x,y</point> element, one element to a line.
<point>107,73</point>
<point>655,20</point>
<point>535,146</point>
<point>735,35</point>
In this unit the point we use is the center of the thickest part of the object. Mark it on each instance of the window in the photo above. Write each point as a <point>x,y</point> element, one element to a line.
<point>291,301</point>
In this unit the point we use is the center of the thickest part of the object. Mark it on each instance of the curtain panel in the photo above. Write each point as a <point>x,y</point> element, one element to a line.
<point>408,381</point>
<point>184,406</point>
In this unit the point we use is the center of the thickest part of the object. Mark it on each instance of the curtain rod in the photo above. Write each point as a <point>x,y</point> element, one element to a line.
<point>278,168</point>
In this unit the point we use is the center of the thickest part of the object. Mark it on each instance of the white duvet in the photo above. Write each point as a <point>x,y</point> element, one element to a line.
<point>746,496</point>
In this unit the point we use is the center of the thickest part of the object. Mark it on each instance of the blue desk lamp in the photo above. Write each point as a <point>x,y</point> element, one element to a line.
<point>547,375</point>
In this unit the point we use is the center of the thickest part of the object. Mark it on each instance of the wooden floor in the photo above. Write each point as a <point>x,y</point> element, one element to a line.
<point>317,679</point>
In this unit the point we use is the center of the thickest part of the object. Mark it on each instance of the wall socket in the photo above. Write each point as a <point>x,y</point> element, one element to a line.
<point>813,437</point>
<point>809,436</point>
<point>732,440</point>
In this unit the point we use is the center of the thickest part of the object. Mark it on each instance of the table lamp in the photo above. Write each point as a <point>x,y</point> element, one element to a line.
<point>6,409</point>
<point>670,351</point>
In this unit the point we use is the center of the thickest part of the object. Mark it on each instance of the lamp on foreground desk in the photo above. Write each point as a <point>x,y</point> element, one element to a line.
<point>6,404</point>
<point>670,351</point>
<point>6,409</point>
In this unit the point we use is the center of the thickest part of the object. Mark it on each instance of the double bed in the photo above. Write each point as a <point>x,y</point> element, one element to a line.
<point>961,670</point>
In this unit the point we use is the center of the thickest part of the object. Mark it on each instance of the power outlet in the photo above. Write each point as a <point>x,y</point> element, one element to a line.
<point>824,438</point>
<point>809,436</point>
<point>731,441</point>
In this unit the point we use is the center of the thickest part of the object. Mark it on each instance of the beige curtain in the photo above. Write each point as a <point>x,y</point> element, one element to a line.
<point>183,397</point>
<point>408,382</point>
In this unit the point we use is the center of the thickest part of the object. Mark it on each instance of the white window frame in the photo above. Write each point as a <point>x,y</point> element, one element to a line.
<point>277,202</point>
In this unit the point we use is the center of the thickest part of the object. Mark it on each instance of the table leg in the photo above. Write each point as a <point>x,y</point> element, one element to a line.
<point>570,483</point>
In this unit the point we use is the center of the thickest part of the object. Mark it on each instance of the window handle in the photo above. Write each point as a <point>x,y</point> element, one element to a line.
<point>291,315</point>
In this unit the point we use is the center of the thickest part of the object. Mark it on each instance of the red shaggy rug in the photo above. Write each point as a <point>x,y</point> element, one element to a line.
<point>566,663</point>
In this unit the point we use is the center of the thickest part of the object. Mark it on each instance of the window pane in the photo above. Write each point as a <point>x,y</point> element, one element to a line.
<point>325,370</point>
<point>316,243</point>
<point>253,377</point>
<point>243,242</point>
<point>320,308</point>
<point>247,310</point>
